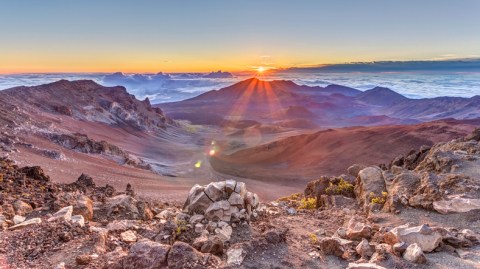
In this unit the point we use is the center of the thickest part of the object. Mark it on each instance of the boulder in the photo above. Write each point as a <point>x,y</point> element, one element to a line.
<point>414,254</point>
<point>251,199</point>
<point>236,200</point>
<point>400,187</point>
<point>224,233</point>
<point>241,188</point>
<point>215,190</point>
<point>399,248</point>
<point>84,207</point>
<point>424,236</point>
<point>199,204</point>
<point>120,207</point>
<point>214,245</point>
<point>230,186</point>
<point>216,210</point>
<point>146,254</point>
<point>357,230</point>
<point>456,204</point>
<point>63,214</point>
<point>364,249</point>
<point>221,201</point>
<point>317,187</point>
<point>354,169</point>
<point>182,255</point>
<point>331,246</point>
<point>370,180</point>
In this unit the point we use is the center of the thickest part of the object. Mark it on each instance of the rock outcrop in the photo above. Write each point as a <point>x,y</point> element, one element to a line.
<point>227,201</point>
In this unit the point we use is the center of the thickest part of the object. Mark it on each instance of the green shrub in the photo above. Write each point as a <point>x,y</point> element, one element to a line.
<point>378,199</point>
<point>341,188</point>
<point>292,197</point>
<point>308,203</point>
<point>313,238</point>
<point>181,227</point>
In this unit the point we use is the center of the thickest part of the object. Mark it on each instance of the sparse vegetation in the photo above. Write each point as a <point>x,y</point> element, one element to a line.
<point>292,197</point>
<point>378,199</point>
<point>181,227</point>
<point>313,238</point>
<point>341,188</point>
<point>308,203</point>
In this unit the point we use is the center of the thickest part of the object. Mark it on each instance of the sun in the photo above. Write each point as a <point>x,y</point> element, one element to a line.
<point>260,69</point>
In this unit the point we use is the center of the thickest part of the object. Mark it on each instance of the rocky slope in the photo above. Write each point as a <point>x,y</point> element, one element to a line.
<point>300,158</point>
<point>70,127</point>
<point>417,212</point>
<point>86,100</point>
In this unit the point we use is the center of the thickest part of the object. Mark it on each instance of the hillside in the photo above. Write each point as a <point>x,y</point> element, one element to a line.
<point>297,159</point>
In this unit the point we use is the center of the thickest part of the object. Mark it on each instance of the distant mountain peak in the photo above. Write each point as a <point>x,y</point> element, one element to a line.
<point>381,96</point>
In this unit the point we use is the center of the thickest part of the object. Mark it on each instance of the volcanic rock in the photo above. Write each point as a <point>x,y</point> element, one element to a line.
<point>414,254</point>
<point>424,236</point>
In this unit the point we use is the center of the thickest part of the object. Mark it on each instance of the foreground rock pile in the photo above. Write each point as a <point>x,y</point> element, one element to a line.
<point>444,179</point>
<point>78,225</point>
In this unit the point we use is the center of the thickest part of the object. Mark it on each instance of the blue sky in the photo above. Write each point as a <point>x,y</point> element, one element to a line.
<point>174,36</point>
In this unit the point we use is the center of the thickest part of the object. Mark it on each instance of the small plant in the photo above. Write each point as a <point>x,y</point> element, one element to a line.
<point>313,238</point>
<point>308,203</point>
<point>181,227</point>
<point>342,188</point>
<point>292,197</point>
<point>378,199</point>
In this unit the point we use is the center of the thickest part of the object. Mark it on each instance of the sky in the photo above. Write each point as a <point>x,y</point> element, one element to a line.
<point>201,36</point>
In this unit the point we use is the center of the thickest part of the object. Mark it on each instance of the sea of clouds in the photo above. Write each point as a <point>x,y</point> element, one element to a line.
<point>161,87</point>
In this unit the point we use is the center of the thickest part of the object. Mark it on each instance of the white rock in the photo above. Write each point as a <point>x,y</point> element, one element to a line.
<point>18,219</point>
<point>165,214</point>
<point>424,236</point>
<point>78,219</point>
<point>364,266</point>
<point>196,218</point>
<point>26,223</point>
<point>224,233</point>
<point>414,254</point>
<point>64,213</point>
<point>456,204</point>
<point>128,236</point>
<point>199,227</point>
<point>235,256</point>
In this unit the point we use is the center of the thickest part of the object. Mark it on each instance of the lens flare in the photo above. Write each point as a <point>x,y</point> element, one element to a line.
<point>211,152</point>
<point>198,164</point>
